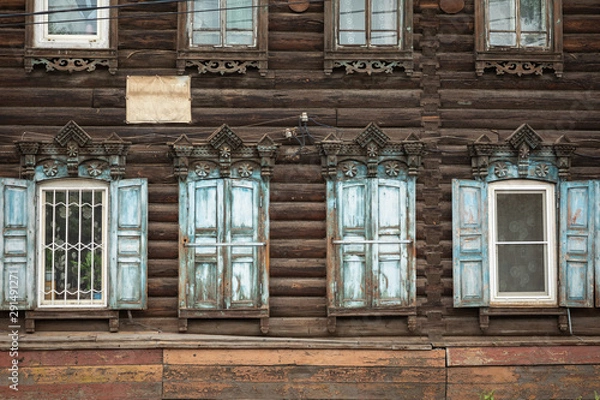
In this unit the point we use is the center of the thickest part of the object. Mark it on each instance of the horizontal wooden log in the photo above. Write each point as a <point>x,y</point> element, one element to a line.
<point>511,356</point>
<point>57,358</point>
<point>296,173</point>
<point>284,192</point>
<point>163,249</point>
<point>297,287</point>
<point>297,229</point>
<point>110,390</point>
<point>163,231</point>
<point>291,248</point>
<point>158,267</point>
<point>163,287</point>
<point>297,267</point>
<point>289,211</point>
<point>163,212</point>
<point>297,306</point>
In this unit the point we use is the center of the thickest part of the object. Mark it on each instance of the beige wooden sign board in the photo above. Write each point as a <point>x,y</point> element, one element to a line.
<point>158,99</point>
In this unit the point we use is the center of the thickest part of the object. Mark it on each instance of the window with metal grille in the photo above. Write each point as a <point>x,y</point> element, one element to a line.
<point>73,230</point>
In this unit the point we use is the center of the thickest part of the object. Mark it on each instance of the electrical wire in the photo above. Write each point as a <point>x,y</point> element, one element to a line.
<point>126,5</point>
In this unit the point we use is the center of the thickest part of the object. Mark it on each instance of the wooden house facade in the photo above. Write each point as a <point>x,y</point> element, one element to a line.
<point>317,200</point>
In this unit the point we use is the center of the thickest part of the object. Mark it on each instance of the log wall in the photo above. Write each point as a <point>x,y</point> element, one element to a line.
<point>444,103</point>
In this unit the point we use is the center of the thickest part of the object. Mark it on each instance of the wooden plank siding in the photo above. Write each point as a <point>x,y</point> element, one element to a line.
<point>443,102</point>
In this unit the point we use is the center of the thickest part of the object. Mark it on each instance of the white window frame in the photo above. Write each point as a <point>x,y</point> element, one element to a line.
<point>43,39</point>
<point>525,299</point>
<point>71,184</point>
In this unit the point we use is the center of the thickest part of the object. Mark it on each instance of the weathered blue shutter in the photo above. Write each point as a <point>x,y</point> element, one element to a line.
<point>577,230</point>
<point>205,229</point>
<point>596,207</point>
<point>470,244</point>
<point>128,244</point>
<point>17,245</point>
<point>354,278</point>
<point>391,266</point>
<point>242,282</point>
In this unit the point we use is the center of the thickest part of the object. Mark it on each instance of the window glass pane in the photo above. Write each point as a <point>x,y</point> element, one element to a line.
<point>79,17</point>
<point>521,268</point>
<point>239,14</point>
<point>352,22</point>
<point>533,40</point>
<point>520,217</point>
<point>384,20</point>
<point>532,15</point>
<point>503,39</point>
<point>206,22</point>
<point>502,15</point>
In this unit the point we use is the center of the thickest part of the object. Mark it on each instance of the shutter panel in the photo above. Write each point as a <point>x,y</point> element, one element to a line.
<point>596,208</point>
<point>352,209</point>
<point>470,243</point>
<point>17,245</point>
<point>205,223</point>
<point>243,260</point>
<point>576,258</point>
<point>391,267</point>
<point>128,244</point>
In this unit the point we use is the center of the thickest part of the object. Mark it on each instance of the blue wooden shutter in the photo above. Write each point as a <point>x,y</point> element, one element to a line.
<point>17,245</point>
<point>242,278</point>
<point>352,226</point>
<point>128,244</point>
<point>392,262</point>
<point>596,207</point>
<point>576,257</point>
<point>205,229</point>
<point>470,243</point>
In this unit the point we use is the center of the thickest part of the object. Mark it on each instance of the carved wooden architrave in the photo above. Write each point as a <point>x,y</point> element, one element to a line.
<point>376,59</point>
<point>374,149</point>
<point>518,61</point>
<point>73,154</point>
<point>71,59</point>
<point>226,59</point>
<point>222,155</point>
<point>224,147</point>
<point>523,155</point>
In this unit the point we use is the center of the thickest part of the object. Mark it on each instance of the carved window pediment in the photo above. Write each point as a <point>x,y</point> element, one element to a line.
<point>73,153</point>
<point>523,155</point>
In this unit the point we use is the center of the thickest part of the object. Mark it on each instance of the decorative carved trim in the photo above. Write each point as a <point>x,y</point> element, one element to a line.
<point>221,66</point>
<point>73,153</point>
<point>522,155</point>
<point>215,156</point>
<point>73,64</point>
<point>374,148</point>
<point>518,68</point>
<point>373,66</point>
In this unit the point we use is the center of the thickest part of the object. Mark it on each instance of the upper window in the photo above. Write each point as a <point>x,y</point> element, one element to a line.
<point>523,236</point>
<point>519,36</point>
<point>224,202</point>
<point>371,198</point>
<point>223,36</point>
<point>369,36</point>
<point>75,231</point>
<point>71,35</point>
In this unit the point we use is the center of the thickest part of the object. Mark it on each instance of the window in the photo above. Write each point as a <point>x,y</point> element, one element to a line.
<point>519,37</point>
<point>223,36</point>
<point>71,35</point>
<point>522,242</point>
<point>223,211</point>
<point>371,201</point>
<point>524,236</point>
<point>72,245</point>
<point>75,229</point>
<point>369,36</point>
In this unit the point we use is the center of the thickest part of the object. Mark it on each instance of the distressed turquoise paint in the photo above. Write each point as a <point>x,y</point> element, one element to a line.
<point>128,268</point>
<point>470,266</point>
<point>17,245</point>
<point>577,232</point>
